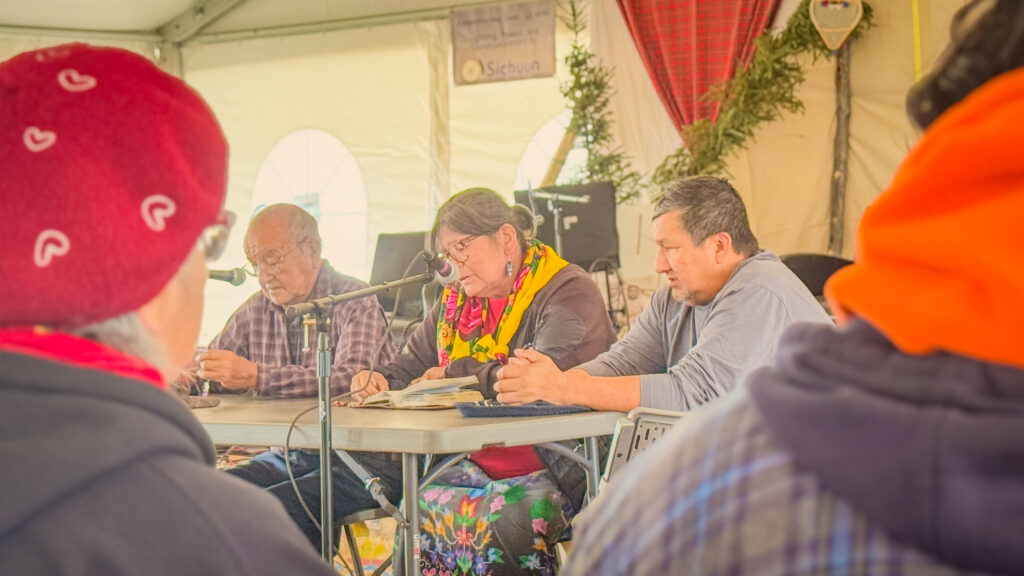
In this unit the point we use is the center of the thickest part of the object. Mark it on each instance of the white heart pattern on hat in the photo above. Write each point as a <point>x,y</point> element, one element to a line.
<point>156,209</point>
<point>50,243</point>
<point>70,80</point>
<point>51,54</point>
<point>37,140</point>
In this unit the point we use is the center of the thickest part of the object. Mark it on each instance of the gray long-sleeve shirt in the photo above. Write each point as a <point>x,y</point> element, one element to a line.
<point>687,355</point>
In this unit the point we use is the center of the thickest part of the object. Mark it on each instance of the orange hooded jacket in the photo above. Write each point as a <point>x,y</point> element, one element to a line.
<point>939,262</point>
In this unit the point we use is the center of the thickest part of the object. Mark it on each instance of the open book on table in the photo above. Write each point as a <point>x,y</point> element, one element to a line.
<point>427,394</point>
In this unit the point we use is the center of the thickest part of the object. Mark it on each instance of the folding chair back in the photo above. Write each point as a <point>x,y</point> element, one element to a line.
<point>634,433</point>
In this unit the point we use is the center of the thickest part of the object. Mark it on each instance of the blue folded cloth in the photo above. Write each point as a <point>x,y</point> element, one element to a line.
<point>493,408</point>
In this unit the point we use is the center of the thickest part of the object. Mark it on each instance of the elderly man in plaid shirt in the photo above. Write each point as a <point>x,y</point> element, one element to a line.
<point>893,444</point>
<point>261,350</point>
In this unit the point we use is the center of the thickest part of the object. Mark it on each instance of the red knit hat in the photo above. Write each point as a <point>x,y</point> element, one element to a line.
<point>112,169</point>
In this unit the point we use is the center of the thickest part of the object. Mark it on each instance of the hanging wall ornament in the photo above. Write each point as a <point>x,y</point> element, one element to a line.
<point>835,19</point>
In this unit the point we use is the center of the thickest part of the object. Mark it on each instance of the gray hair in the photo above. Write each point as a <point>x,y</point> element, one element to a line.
<point>299,223</point>
<point>127,334</point>
<point>709,205</point>
<point>481,212</point>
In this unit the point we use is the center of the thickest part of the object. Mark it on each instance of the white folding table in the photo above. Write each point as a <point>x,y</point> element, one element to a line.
<point>243,420</point>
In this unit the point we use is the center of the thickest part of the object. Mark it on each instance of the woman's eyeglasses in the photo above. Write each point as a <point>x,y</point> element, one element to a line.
<point>457,251</point>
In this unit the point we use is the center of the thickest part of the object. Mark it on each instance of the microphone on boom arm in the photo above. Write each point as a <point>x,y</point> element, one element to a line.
<point>445,271</point>
<point>234,276</point>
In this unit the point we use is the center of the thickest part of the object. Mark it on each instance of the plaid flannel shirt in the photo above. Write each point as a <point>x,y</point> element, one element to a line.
<point>718,496</point>
<point>260,332</point>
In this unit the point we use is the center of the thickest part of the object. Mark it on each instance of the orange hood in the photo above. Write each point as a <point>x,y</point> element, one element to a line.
<point>939,262</point>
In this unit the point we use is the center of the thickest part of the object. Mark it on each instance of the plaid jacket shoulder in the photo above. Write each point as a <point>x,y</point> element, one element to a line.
<point>718,496</point>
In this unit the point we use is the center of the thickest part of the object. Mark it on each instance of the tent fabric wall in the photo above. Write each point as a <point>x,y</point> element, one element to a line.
<point>492,124</point>
<point>784,175</point>
<point>386,93</point>
<point>366,89</point>
<point>11,46</point>
<point>381,92</point>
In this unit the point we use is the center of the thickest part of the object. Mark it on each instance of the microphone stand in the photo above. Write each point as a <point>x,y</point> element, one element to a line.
<point>553,199</point>
<point>321,310</point>
<point>296,310</point>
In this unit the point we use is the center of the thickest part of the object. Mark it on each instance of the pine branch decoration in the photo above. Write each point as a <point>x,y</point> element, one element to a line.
<point>588,94</point>
<point>754,96</point>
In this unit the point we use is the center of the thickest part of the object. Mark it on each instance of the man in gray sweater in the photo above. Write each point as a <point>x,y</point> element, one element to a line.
<point>726,303</point>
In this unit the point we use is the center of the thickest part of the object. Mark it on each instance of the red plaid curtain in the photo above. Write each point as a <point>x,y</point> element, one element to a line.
<point>689,46</point>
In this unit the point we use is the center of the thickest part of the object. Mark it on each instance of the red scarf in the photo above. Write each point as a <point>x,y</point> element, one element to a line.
<point>76,351</point>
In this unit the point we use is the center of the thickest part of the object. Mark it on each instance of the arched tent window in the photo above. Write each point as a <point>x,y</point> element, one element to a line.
<point>542,149</point>
<point>314,170</point>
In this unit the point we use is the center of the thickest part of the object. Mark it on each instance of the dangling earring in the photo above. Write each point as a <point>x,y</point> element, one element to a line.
<point>508,267</point>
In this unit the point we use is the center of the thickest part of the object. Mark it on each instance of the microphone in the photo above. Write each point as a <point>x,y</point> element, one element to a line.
<point>235,276</point>
<point>445,271</point>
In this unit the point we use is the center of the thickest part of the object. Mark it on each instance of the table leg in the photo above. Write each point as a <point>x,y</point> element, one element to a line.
<point>411,511</point>
<point>594,467</point>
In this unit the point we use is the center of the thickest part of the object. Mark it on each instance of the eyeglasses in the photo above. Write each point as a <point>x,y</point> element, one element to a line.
<point>457,251</point>
<point>269,262</point>
<point>214,237</point>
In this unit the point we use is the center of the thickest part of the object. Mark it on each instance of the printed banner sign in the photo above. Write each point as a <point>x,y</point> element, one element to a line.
<point>503,42</point>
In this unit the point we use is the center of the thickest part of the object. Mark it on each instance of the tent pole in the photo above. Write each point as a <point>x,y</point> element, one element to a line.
<point>198,16</point>
<point>840,151</point>
<point>558,160</point>
<point>168,57</point>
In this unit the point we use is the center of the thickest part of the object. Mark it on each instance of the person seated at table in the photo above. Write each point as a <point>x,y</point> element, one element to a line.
<point>113,183</point>
<point>260,349</point>
<point>890,445</point>
<point>513,292</point>
<point>720,316</point>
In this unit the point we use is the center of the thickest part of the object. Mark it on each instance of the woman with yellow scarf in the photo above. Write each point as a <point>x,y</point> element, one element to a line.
<point>500,511</point>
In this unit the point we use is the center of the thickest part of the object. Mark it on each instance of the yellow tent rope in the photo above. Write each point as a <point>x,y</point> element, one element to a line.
<point>916,16</point>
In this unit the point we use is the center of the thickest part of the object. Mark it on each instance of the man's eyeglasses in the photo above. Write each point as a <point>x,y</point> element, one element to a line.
<point>214,237</point>
<point>457,251</point>
<point>269,262</point>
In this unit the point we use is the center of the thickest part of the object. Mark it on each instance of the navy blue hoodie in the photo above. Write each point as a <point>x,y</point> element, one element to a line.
<point>930,448</point>
<point>109,475</point>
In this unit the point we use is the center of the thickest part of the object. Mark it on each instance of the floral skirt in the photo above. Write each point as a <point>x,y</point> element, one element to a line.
<point>470,524</point>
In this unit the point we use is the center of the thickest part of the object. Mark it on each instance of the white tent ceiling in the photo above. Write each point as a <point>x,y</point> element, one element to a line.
<point>178,20</point>
<point>100,15</point>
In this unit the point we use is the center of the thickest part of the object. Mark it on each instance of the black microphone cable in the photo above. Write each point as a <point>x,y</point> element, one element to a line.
<point>373,361</point>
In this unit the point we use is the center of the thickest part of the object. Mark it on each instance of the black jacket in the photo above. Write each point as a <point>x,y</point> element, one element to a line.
<point>567,320</point>
<point>929,447</point>
<point>108,475</point>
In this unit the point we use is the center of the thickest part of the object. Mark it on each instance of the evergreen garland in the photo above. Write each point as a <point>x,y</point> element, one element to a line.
<point>587,94</point>
<point>755,95</point>
<point>759,94</point>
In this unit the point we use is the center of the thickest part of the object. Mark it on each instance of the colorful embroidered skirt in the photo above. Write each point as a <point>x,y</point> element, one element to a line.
<point>471,525</point>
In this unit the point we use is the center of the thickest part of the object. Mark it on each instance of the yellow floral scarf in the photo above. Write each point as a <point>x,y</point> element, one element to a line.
<point>460,324</point>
